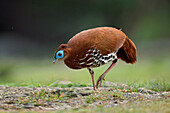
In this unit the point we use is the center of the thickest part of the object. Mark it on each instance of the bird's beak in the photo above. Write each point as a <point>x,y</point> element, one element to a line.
<point>55,60</point>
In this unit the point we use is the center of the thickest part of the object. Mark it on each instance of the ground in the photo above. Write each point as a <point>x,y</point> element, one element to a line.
<point>81,98</point>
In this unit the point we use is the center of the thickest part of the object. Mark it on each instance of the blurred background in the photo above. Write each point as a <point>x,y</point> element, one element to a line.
<point>31,31</point>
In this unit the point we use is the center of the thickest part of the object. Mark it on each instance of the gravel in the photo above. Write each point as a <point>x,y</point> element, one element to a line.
<point>56,98</point>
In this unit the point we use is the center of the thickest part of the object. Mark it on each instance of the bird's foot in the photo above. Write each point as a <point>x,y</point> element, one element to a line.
<point>99,80</point>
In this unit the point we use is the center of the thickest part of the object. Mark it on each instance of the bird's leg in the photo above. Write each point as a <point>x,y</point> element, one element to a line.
<point>103,75</point>
<point>92,76</point>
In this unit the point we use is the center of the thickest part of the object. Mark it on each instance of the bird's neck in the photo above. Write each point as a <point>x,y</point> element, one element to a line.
<point>67,53</point>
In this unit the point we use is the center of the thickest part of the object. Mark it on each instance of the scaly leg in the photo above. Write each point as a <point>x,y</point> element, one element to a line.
<point>104,74</point>
<point>92,76</point>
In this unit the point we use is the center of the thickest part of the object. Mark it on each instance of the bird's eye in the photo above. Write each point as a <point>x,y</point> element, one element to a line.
<point>59,54</point>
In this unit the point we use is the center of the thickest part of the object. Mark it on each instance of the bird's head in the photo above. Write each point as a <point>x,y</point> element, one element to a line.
<point>61,53</point>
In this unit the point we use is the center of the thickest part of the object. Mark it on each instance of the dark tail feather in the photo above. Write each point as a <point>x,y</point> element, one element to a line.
<point>127,52</point>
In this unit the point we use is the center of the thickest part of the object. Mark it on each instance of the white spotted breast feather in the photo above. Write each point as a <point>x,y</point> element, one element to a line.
<point>93,58</point>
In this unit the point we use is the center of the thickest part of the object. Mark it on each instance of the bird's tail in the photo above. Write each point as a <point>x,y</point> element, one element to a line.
<point>128,52</point>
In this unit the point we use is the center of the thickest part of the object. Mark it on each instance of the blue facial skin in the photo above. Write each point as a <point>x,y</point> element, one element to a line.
<point>57,54</point>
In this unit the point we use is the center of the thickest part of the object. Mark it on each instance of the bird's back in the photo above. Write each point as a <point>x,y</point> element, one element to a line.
<point>105,40</point>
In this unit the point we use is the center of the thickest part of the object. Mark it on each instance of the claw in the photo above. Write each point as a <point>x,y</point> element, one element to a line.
<point>97,84</point>
<point>99,80</point>
<point>101,83</point>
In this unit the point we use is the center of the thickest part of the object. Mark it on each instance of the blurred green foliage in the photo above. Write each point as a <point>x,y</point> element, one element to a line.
<point>44,72</point>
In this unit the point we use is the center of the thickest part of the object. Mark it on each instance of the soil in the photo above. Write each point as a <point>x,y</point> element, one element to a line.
<point>57,98</point>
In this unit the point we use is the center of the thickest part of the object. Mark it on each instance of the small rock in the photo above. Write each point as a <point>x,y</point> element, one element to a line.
<point>87,88</point>
<point>143,90</point>
<point>64,82</point>
<point>166,93</point>
<point>29,106</point>
<point>48,109</point>
<point>111,105</point>
<point>115,102</point>
<point>85,93</point>
<point>108,83</point>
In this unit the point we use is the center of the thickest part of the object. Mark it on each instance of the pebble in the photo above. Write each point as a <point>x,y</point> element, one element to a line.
<point>29,106</point>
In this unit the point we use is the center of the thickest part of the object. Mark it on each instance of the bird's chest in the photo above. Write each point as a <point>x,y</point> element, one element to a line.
<point>91,58</point>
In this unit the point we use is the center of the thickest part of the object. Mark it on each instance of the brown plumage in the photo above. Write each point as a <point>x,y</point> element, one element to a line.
<point>95,47</point>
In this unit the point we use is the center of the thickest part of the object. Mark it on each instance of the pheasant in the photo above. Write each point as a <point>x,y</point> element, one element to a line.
<point>95,47</point>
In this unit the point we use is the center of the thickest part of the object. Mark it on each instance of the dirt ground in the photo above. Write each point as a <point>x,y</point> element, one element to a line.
<point>57,98</point>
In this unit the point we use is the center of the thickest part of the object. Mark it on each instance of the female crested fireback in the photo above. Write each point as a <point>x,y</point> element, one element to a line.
<point>96,47</point>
